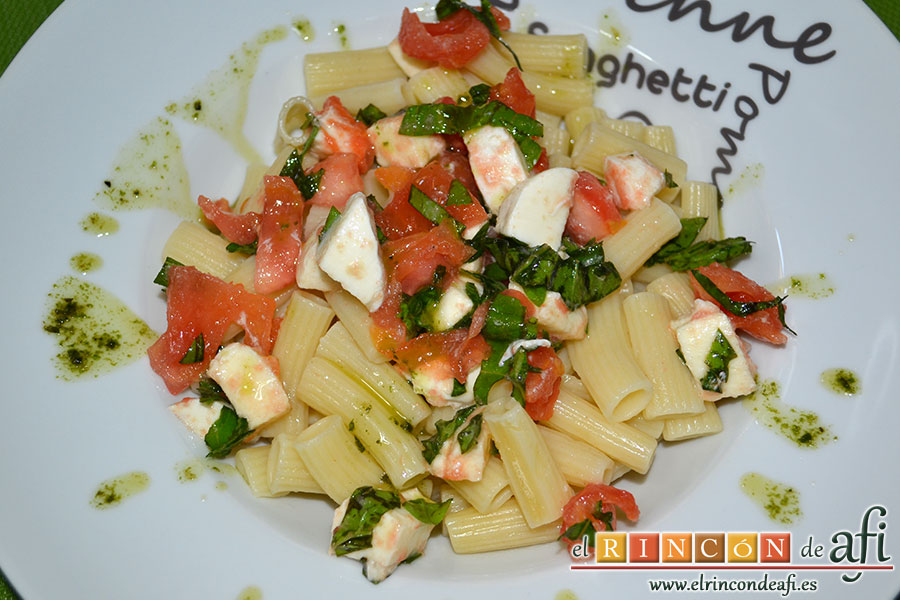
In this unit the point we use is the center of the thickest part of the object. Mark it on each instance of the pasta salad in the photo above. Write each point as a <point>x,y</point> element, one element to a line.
<point>461,296</point>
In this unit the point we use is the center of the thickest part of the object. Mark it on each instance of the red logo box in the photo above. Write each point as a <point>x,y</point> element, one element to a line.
<point>643,547</point>
<point>775,547</point>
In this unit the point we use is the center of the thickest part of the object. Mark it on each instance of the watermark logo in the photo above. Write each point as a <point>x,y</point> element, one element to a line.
<point>846,550</point>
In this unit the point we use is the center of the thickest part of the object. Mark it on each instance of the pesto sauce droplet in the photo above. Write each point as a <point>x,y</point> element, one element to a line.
<point>565,595</point>
<point>99,224</point>
<point>340,30</point>
<point>113,491</point>
<point>304,28</point>
<point>85,262</point>
<point>94,330</point>
<point>779,501</point>
<point>801,427</point>
<point>841,381</point>
<point>250,593</point>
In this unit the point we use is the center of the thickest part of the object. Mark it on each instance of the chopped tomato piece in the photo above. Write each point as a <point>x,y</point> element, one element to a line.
<point>593,214</point>
<point>237,228</point>
<point>395,179</point>
<point>542,164</point>
<point>339,181</point>
<point>513,93</point>
<point>542,388</point>
<point>764,324</point>
<point>340,132</point>
<point>530,308</point>
<point>280,233</point>
<point>413,259</point>
<point>198,303</point>
<point>594,499</point>
<point>461,352</point>
<point>452,43</point>
<point>388,331</point>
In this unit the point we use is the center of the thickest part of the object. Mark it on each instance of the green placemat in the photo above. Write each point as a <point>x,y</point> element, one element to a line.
<point>21,18</point>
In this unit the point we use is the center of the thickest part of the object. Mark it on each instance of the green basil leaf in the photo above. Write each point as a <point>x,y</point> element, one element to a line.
<point>162,277</point>
<point>480,93</point>
<point>505,319</point>
<point>417,311</point>
<point>228,431</point>
<point>458,389</point>
<point>579,531</point>
<point>333,215</point>
<point>365,508</point>
<point>721,353</point>
<point>248,249</point>
<point>670,181</point>
<point>603,516</point>
<point>308,185</point>
<point>194,354</point>
<point>210,391</point>
<point>458,195</point>
<point>444,430</point>
<point>740,309</point>
<point>430,513</point>
<point>690,228</point>
<point>468,437</point>
<point>370,114</point>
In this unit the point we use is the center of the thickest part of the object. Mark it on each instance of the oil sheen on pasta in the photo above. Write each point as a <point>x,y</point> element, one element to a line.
<point>779,501</point>
<point>149,172</point>
<point>113,491</point>
<point>804,428</point>
<point>842,381</point>
<point>94,330</point>
<point>99,224</point>
<point>220,101</point>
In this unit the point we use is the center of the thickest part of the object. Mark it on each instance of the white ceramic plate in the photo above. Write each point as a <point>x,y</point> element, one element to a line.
<point>814,185</point>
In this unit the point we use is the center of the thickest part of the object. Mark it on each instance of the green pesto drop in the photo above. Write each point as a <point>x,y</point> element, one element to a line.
<point>94,330</point>
<point>751,176</point>
<point>99,224</point>
<point>613,36</point>
<point>192,469</point>
<point>841,381</point>
<point>221,486</point>
<point>799,426</point>
<point>340,30</point>
<point>304,29</point>
<point>565,595</point>
<point>250,593</point>
<point>85,262</point>
<point>149,172</point>
<point>220,101</point>
<point>113,491</point>
<point>815,286</point>
<point>779,501</point>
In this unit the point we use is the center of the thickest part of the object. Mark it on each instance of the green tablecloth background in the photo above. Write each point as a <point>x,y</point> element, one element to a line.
<point>21,18</point>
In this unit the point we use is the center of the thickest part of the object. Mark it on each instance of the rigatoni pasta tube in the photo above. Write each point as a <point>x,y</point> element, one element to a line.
<point>563,55</point>
<point>676,289</point>
<point>328,72</point>
<point>357,320</point>
<point>604,361</point>
<point>644,232</point>
<point>582,419</point>
<point>194,245</point>
<point>334,459</point>
<point>684,428</point>
<point>675,391</point>
<point>700,199</point>
<point>579,462</point>
<point>286,471</point>
<point>337,346</point>
<point>488,494</point>
<point>471,531</point>
<point>329,390</point>
<point>534,477</point>
<point>306,320</point>
<point>387,95</point>
<point>252,463</point>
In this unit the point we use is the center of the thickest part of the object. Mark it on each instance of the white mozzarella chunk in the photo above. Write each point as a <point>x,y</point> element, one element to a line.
<point>633,179</point>
<point>396,537</point>
<point>527,345</point>
<point>395,149</point>
<point>409,65</point>
<point>349,253</point>
<point>496,161</point>
<point>433,381</point>
<point>536,210</point>
<point>455,303</point>
<point>554,316</point>
<point>197,416</point>
<point>250,384</point>
<point>452,464</point>
<point>696,333</point>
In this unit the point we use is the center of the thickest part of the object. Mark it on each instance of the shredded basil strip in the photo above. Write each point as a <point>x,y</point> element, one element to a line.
<point>248,249</point>
<point>721,353</point>
<point>682,253</point>
<point>603,516</point>
<point>505,320</point>
<point>430,209</point>
<point>364,510</point>
<point>514,370</point>
<point>162,277</point>
<point>194,354</point>
<point>417,311</point>
<point>740,309</point>
<point>228,431</point>
<point>458,389</point>
<point>210,391</point>
<point>458,195</point>
<point>670,181</point>
<point>430,119</point>
<point>444,430</point>
<point>293,167</point>
<point>480,93</point>
<point>579,531</point>
<point>430,513</point>
<point>447,8</point>
<point>370,114</point>
<point>333,215</point>
<point>468,437</point>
